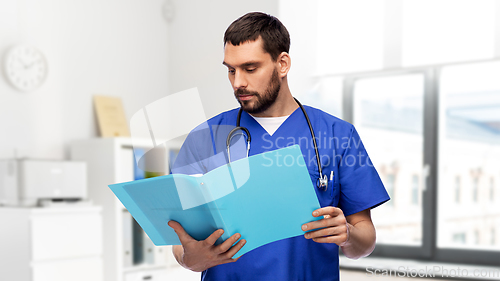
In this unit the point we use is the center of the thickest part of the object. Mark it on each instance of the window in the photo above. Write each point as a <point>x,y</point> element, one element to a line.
<point>469,136</point>
<point>389,185</point>
<point>419,113</point>
<point>492,189</point>
<point>366,35</point>
<point>451,149</point>
<point>475,189</point>
<point>388,115</point>
<point>326,94</point>
<point>457,189</point>
<point>459,238</point>
<point>414,190</point>
<point>476,35</point>
<point>356,48</point>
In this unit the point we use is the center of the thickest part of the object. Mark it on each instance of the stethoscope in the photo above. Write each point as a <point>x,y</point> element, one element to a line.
<point>321,182</point>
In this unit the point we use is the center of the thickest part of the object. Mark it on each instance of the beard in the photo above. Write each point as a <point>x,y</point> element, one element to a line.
<point>263,101</point>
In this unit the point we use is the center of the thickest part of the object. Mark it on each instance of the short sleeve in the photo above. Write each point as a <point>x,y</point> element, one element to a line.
<point>360,184</point>
<point>203,150</point>
<point>186,161</point>
<point>195,151</point>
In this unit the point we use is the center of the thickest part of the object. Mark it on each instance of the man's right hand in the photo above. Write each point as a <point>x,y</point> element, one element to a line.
<point>200,255</point>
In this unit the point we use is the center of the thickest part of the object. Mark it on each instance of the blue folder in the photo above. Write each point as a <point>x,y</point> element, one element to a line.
<point>264,197</point>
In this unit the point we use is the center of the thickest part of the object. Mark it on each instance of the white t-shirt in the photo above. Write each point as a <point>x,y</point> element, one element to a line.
<point>270,124</point>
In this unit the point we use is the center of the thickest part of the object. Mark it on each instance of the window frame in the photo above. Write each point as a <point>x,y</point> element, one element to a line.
<point>428,251</point>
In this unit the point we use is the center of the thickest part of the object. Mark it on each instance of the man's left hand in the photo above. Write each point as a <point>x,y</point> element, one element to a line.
<point>333,228</point>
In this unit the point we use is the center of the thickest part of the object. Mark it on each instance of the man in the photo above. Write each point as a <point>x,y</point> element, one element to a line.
<point>256,54</point>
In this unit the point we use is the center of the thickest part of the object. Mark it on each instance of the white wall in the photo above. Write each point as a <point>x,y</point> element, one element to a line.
<point>196,48</point>
<point>119,48</point>
<point>112,47</point>
<point>303,31</point>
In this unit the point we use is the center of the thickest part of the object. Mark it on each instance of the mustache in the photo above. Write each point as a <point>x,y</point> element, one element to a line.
<point>244,92</point>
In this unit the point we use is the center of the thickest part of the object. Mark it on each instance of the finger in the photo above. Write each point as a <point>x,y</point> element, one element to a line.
<point>332,211</point>
<point>222,248</point>
<point>328,213</point>
<point>181,233</point>
<point>330,231</point>
<point>330,239</point>
<point>322,223</point>
<point>210,241</point>
<point>229,260</point>
<point>235,249</point>
<point>318,224</point>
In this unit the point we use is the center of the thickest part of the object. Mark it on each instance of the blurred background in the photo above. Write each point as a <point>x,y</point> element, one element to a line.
<point>420,80</point>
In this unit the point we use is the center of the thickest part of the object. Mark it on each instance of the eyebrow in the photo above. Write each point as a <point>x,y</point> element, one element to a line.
<point>243,65</point>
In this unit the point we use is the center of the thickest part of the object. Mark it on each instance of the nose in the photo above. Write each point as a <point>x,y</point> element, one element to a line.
<point>240,81</point>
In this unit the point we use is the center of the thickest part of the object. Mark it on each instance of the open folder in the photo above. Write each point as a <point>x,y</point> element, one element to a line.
<point>264,197</point>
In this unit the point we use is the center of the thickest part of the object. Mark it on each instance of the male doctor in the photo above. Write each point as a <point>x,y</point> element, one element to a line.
<point>256,48</point>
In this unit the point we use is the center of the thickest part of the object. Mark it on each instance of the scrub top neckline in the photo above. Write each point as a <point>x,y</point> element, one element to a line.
<point>271,124</point>
<point>258,126</point>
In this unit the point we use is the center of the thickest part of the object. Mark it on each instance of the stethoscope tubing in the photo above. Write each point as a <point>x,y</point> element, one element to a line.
<point>322,181</point>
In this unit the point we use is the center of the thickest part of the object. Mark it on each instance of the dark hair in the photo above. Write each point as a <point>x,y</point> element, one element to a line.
<point>249,27</point>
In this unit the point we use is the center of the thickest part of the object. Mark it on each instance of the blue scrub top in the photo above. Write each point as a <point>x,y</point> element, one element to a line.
<point>356,187</point>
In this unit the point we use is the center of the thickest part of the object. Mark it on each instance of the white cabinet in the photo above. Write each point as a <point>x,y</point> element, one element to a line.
<point>109,161</point>
<point>51,243</point>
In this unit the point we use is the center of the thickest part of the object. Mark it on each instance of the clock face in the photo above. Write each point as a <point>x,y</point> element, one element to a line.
<point>25,67</point>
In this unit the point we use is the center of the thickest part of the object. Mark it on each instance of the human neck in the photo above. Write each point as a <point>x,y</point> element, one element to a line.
<point>283,106</point>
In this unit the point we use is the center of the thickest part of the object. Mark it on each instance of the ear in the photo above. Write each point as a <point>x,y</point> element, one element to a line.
<point>284,62</point>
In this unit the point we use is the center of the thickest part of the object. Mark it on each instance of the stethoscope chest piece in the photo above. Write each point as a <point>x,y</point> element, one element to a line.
<point>322,182</point>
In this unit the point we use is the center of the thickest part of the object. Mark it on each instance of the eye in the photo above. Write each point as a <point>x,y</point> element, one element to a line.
<point>251,69</point>
<point>231,71</point>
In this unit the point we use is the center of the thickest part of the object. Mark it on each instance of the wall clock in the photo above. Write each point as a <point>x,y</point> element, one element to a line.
<point>25,67</point>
